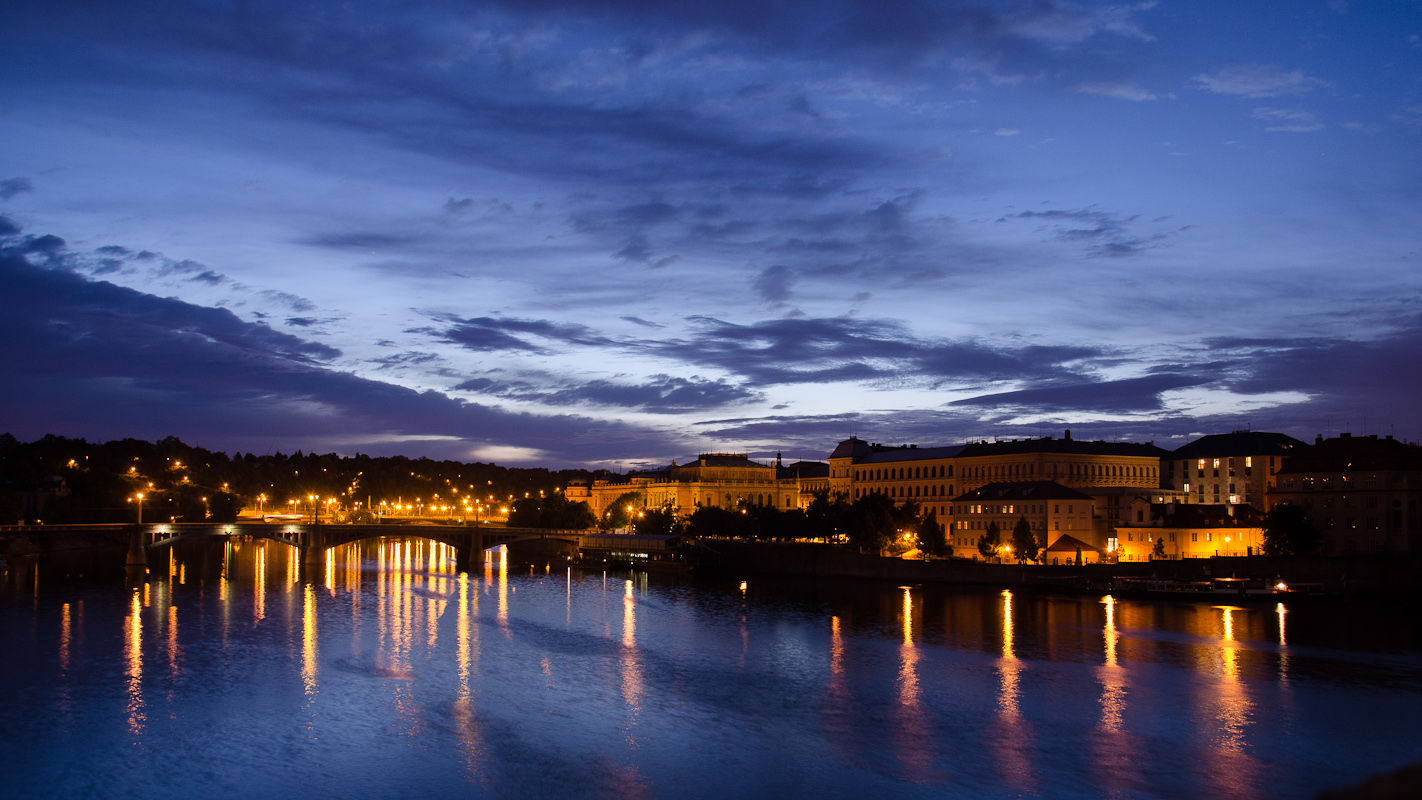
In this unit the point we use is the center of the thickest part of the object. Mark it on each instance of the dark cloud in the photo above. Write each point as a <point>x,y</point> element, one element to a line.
<point>1105,234</point>
<point>9,187</point>
<point>786,351</point>
<point>773,284</point>
<point>301,322</point>
<point>639,321</point>
<point>358,241</point>
<point>1129,395</point>
<point>489,334</point>
<point>662,394</point>
<point>8,228</point>
<point>94,359</point>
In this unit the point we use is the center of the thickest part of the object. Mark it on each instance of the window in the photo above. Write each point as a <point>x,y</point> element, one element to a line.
<point>1172,536</point>
<point>1194,536</point>
<point>1249,461</point>
<point>1217,463</point>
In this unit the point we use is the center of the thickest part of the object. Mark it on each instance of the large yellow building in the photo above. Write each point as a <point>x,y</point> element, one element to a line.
<point>726,480</point>
<point>1051,510</point>
<point>1122,478</point>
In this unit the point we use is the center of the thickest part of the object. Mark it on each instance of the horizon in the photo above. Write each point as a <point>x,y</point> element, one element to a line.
<point>602,234</point>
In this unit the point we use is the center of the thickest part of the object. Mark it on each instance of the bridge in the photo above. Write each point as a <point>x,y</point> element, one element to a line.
<point>312,540</point>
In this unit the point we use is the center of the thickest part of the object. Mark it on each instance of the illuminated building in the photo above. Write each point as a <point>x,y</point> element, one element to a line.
<point>1227,468</point>
<point>1051,510</point>
<point>727,480</point>
<point>1122,478</point>
<point>1362,492</point>
<point>1192,531</point>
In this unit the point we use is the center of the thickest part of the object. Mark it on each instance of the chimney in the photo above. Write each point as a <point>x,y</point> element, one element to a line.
<point>1318,439</point>
<point>1067,435</point>
<point>1346,435</point>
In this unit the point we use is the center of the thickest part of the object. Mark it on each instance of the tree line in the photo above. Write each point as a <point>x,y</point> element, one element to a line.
<point>187,483</point>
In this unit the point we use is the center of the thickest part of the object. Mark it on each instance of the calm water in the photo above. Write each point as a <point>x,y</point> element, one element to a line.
<point>237,672</point>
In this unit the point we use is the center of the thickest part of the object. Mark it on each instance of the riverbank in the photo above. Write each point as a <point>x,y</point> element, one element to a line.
<point>1335,575</point>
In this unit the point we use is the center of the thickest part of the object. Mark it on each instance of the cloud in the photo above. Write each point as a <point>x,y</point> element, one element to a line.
<point>1106,234</point>
<point>659,394</point>
<point>1259,80</point>
<point>358,241</point>
<point>827,350</point>
<point>9,187</point>
<point>94,359</point>
<point>1006,132</point>
<point>490,334</point>
<point>639,321</point>
<point>773,284</point>
<point>1289,120</point>
<point>1124,90</point>
<point>1118,396</point>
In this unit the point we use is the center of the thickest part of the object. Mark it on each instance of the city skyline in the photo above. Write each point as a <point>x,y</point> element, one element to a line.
<point>613,234</point>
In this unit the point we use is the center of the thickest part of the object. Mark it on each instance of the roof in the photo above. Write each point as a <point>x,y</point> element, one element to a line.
<point>853,447</point>
<point>900,454</point>
<point>1204,515</point>
<point>1068,446</point>
<point>1066,543</point>
<point>1023,490</point>
<point>804,469</point>
<point>1348,453</point>
<point>1240,443</point>
<point>726,460</point>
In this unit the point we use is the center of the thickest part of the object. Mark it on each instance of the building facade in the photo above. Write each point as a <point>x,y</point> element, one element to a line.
<point>726,480</point>
<point>1192,531</point>
<point>1362,492</point>
<point>1122,478</point>
<point>1228,468</point>
<point>1051,510</point>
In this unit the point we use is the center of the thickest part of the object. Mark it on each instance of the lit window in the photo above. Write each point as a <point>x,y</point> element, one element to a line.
<point>1217,463</point>
<point>1249,461</point>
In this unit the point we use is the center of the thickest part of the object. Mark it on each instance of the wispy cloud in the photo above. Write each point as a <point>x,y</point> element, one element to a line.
<point>1124,90</point>
<point>1290,120</point>
<point>1259,80</point>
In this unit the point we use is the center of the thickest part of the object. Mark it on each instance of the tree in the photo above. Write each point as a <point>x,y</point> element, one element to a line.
<point>990,540</point>
<point>1287,532</point>
<point>1158,551</point>
<point>872,522</point>
<point>931,538</point>
<point>660,521</point>
<point>550,512</point>
<point>621,512</point>
<point>827,516</point>
<point>1024,541</point>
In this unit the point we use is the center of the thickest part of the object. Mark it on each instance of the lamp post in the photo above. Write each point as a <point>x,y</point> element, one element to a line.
<point>139,495</point>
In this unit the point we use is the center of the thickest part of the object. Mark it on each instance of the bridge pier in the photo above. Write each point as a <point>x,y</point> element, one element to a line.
<point>461,558</point>
<point>137,551</point>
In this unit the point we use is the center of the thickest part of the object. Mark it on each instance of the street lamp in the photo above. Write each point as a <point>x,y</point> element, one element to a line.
<point>139,495</point>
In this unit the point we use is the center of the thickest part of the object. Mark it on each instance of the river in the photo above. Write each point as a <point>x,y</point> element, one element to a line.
<point>235,671</point>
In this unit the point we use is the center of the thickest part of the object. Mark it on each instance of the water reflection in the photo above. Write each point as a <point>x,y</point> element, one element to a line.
<point>1014,734</point>
<point>308,639</point>
<point>133,656</point>
<point>671,685</point>
<point>1232,767</point>
<point>631,669</point>
<point>912,741</point>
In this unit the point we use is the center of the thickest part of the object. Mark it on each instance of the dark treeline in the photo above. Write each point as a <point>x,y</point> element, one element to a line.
<point>192,484</point>
<point>873,522</point>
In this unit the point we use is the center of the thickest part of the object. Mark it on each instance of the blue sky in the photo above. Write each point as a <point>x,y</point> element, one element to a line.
<point>616,233</point>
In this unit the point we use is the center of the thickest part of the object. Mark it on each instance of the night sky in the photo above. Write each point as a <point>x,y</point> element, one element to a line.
<point>617,233</point>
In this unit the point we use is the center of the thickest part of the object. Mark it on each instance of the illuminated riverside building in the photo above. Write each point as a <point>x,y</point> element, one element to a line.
<point>1051,510</point>
<point>1122,478</point>
<point>1362,492</point>
<point>1192,531</point>
<point>725,480</point>
<point>1228,468</point>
